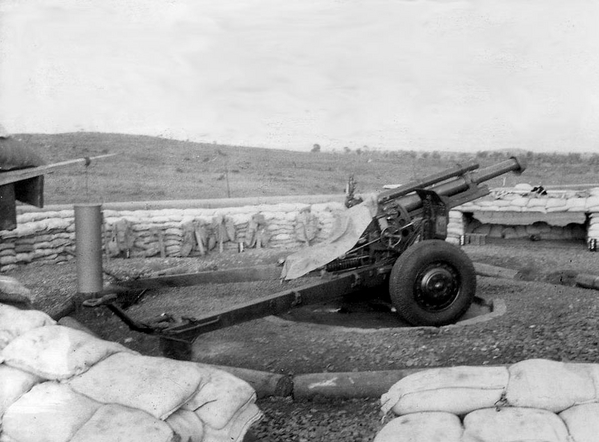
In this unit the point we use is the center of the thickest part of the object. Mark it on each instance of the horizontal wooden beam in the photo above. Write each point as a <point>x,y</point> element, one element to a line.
<point>13,176</point>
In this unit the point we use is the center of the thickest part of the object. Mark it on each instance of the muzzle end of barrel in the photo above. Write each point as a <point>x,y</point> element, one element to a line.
<point>521,165</point>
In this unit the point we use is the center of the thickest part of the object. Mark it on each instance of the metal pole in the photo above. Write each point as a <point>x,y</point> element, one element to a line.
<point>88,242</point>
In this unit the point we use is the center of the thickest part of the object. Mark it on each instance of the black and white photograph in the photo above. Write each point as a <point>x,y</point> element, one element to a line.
<point>326,220</point>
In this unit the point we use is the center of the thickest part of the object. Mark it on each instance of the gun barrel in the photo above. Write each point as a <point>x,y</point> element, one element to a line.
<point>512,164</point>
<point>463,183</point>
<point>426,182</point>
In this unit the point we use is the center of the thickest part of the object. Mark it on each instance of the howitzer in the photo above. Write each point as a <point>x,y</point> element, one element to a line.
<point>431,282</point>
<point>395,238</point>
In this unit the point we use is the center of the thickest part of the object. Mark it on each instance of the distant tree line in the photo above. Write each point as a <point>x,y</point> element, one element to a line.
<point>541,158</point>
<point>548,157</point>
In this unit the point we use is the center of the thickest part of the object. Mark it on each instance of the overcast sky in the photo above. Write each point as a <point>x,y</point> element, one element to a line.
<point>389,74</point>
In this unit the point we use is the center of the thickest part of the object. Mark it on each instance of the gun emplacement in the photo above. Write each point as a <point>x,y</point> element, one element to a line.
<point>394,239</point>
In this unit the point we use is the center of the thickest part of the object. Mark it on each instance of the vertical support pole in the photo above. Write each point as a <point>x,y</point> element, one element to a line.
<point>88,243</point>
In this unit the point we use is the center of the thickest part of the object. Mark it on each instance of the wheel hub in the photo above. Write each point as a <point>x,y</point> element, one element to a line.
<point>437,288</point>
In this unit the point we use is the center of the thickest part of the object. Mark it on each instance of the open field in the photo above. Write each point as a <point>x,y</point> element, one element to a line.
<point>150,168</point>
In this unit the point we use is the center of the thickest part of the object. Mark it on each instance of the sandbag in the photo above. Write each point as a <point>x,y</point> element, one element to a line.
<point>14,383</point>
<point>50,412</point>
<point>57,352</point>
<point>591,370</point>
<point>237,427</point>
<point>549,385</point>
<point>575,204</point>
<point>538,227</point>
<point>6,438</point>
<point>12,291</point>
<point>536,203</point>
<point>483,229</point>
<point>15,322</point>
<point>514,425</point>
<point>117,423</point>
<point>457,390</point>
<point>582,422</point>
<point>509,233</point>
<point>495,231</point>
<point>519,201</point>
<point>158,386</point>
<point>521,231</point>
<point>556,203</point>
<point>219,400</point>
<point>187,425</point>
<point>15,154</point>
<point>422,427</point>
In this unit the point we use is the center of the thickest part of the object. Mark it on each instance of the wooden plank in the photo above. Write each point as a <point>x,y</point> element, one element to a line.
<point>31,172</point>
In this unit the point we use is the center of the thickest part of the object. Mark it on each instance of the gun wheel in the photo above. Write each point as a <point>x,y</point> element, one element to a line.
<point>432,283</point>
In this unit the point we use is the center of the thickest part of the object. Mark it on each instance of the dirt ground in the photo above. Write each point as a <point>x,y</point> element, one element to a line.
<point>546,317</point>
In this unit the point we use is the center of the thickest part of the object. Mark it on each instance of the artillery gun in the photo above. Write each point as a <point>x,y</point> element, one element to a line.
<point>431,282</point>
<point>395,238</point>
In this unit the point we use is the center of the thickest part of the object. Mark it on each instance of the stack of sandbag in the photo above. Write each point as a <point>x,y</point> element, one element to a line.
<point>592,202</point>
<point>533,400</point>
<point>562,202</point>
<point>41,237</point>
<point>537,230</point>
<point>455,227</point>
<point>61,384</point>
<point>49,237</point>
<point>195,232</point>
<point>593,230</point>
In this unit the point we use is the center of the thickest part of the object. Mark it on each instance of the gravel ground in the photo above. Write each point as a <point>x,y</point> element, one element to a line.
<point>546,317</point>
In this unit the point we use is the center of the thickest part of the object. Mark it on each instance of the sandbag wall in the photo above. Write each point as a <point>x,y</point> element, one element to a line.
<point>553,215</point>
<point>59,384</point>
<point>194,232</point>
<point>43,237</point>
<point>533,400</point>
<point>49,236</point>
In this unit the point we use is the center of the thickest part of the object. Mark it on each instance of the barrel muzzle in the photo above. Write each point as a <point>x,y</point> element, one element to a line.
<point>521,163</point>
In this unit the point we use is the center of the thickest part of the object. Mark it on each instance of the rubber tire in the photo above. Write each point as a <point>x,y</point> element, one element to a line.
<point>405,274</point>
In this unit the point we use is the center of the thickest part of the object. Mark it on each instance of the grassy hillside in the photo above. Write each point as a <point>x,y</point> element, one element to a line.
<point>150,168</point>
